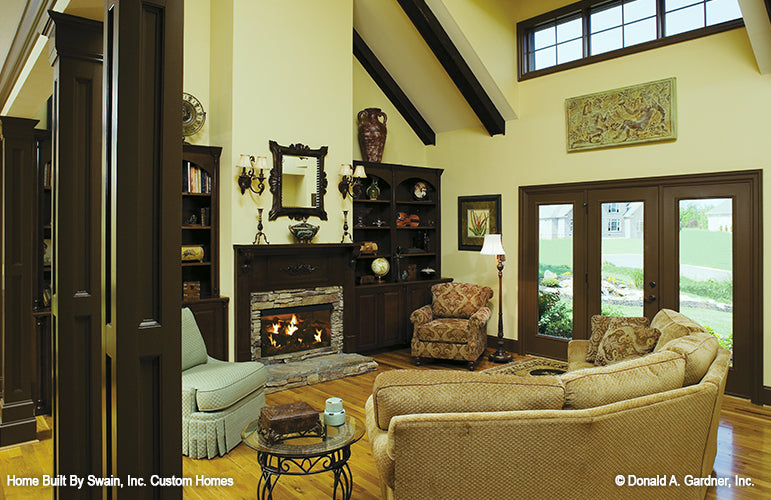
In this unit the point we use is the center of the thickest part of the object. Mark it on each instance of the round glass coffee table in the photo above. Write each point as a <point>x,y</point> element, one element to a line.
<point>304,455</point>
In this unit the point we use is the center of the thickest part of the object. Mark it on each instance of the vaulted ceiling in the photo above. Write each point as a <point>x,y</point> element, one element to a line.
<point>428,61</point>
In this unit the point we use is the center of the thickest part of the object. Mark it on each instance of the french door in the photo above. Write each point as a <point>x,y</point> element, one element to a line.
<point>630,248</point>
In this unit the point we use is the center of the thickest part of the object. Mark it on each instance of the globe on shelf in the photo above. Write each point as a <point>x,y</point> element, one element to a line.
<point>380,267</point>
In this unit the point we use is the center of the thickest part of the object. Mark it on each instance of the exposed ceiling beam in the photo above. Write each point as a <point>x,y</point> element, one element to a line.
<point>768,9</point>
<point>392,90</point>
<point>456,67</point>
<point>33,22</point>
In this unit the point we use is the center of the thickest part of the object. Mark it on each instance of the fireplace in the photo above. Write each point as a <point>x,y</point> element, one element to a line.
<point>296,323</point>
<point>295,329</point>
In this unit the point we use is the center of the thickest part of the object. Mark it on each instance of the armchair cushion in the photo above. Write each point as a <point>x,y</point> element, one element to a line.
<point>422,316</point>
<point>451,330</point>
<point>193,346</point>
<point>406,392</point>
<point>459,300</point>
<point>219,384</point>
<point>628,379</point>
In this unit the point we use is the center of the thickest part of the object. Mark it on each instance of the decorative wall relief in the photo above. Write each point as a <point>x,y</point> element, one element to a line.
<point>630,115</point>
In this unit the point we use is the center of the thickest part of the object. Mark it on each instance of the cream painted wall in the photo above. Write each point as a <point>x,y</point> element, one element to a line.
<point>279,71</point>
<point>195,79</point>
<point>723,110</point>
<point>402,145</point>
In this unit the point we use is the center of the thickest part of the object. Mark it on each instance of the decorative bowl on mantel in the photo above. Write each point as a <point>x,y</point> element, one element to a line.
<point>304,232</point>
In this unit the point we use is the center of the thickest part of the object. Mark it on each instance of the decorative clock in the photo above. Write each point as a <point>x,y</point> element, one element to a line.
<point>193,115</point>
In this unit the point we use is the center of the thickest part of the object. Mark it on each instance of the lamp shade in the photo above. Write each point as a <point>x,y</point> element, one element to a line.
<point>244,162</point>
<point>492,245</point>
<point>359,172</point>
<point>261,162</point>
<point>345,169</point>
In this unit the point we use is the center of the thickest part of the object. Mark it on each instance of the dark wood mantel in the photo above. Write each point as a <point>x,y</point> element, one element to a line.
<point>260,268</point>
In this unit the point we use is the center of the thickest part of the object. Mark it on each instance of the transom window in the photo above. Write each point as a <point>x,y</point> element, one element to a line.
<point>591,30</point>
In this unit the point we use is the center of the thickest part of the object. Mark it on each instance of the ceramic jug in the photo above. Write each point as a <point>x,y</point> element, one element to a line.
<point>372,133</point>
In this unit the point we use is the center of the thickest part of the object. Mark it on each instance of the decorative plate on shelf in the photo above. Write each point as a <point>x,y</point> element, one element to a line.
<point>193,115</point>
<point>420,191</point>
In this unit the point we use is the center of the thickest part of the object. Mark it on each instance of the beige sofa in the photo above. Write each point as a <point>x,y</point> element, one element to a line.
<point>459,435</point>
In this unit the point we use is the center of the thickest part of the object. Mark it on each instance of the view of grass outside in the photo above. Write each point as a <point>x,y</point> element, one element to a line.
<point>706,278</point>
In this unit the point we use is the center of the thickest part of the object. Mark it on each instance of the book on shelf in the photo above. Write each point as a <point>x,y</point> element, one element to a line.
<point>195,179</point>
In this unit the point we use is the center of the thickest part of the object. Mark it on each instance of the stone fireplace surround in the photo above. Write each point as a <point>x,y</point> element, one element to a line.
<point>301,269</point>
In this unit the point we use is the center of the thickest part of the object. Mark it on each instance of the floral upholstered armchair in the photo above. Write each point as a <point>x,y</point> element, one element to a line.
<point>454,325</point>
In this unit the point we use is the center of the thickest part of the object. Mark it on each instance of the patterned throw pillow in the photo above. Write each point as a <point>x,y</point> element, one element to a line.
<point>626,341</point>
<point>601,324</point>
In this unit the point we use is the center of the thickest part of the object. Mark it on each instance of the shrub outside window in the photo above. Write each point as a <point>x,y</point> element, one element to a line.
<point>591,31</point>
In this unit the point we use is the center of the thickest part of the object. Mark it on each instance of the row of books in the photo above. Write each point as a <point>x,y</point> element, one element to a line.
<point>46,173</point>
<point>195,179</point>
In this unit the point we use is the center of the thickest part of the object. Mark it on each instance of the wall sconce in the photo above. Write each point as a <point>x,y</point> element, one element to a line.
<point>246,179</point>
<point>351,182</point>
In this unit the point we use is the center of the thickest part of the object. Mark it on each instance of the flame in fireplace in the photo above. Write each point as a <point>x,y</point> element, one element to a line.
<point>317,337</point>
<point>273,341</point>
<point>292,326</point>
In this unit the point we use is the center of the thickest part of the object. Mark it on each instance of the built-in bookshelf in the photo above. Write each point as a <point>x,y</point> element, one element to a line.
<point>400,218</point>
<point>200,245</point>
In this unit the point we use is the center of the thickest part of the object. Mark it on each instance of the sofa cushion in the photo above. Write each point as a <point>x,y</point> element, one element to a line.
<point>193,346</point>
<point>405,392</point>
<point>673,325</point>
<point>628,379</point>
<point>699,350</point>
<point>448,330</point>
<point>600,325</point>
<point>627,341</point>
<point>219,384</point>
<point>458,300</point>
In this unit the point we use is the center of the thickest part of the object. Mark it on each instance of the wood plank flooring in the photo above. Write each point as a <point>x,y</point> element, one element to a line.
<point>744,449</point>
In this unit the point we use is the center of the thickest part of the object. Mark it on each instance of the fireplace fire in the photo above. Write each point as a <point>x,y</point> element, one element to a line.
<point>295,329</point>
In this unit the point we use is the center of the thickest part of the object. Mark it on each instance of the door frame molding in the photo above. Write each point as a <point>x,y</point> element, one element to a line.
<point>758,393</point>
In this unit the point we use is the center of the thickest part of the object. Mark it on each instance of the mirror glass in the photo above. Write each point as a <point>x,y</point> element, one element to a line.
<point>297,181</point>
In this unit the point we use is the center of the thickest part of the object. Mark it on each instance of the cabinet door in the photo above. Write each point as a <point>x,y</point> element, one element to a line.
<point>415,297</point>
<point>366,308</point>
<point>390,318</point>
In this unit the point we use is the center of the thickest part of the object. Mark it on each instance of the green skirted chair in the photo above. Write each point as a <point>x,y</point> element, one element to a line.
<point>454,325</point>
<point>219,398</point>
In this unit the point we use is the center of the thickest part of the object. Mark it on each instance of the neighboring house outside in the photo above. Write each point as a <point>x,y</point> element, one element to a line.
<point>622,220</point>
<point>555,221</point>
<point>720,217</point>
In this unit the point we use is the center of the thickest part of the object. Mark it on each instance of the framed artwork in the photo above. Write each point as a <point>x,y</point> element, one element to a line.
<point>477,216</point>
<point>629,115</point>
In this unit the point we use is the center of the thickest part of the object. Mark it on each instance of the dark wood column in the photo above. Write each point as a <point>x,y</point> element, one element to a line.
<point>142,214</point>
<point>17,413</point>
<point>75,51</point>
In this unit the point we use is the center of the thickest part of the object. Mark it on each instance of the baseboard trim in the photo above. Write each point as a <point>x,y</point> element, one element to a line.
<point>765,394</point>
<point>511,345</point>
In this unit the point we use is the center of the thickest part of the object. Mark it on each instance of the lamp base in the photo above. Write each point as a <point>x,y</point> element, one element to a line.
<point>500,356</point>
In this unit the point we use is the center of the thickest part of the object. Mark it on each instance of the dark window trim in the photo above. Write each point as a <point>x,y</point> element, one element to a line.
<point>583,8</point>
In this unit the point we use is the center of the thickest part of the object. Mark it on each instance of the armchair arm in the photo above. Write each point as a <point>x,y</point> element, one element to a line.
<point>189,405</point>
<point>405,392</point>
<point>480,318</point>
<point>422,316</point>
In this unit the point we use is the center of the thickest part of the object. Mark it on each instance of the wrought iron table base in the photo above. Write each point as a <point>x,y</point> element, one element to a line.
<point>273,467</point>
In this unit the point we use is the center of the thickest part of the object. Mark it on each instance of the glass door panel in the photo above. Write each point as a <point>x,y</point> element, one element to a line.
<point>622,258</point>
<point>706,265</point>
<point>555,270</point>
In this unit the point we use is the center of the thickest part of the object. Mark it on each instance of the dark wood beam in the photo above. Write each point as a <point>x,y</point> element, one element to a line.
<point>768,9</point>
<point>450,58</point>
<point>392,90</point>
<point>34,21</point>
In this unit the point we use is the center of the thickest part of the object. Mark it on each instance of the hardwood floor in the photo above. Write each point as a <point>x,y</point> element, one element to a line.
<point>744,449</point>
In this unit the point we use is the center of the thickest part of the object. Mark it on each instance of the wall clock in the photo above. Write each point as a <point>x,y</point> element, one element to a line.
<point>193,115</point>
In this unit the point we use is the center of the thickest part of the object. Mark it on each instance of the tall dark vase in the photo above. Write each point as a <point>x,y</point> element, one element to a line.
<point>372,133</point>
